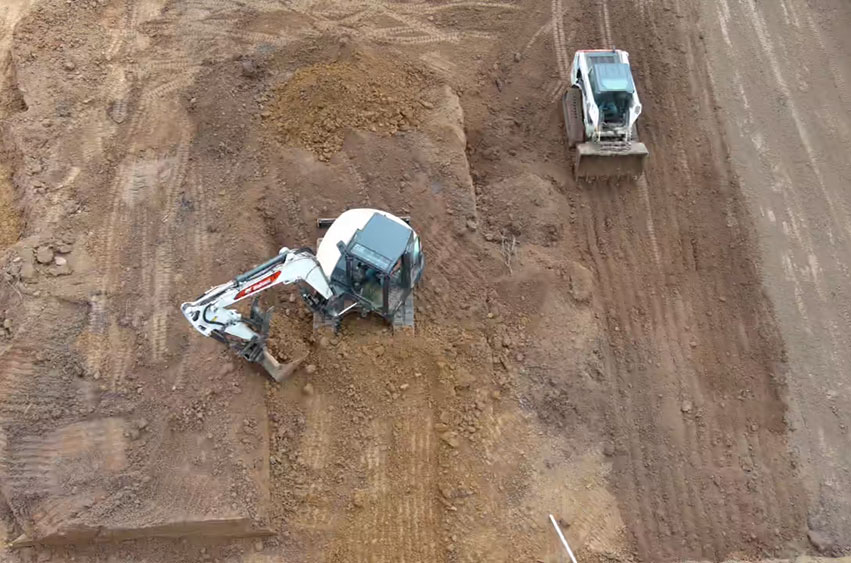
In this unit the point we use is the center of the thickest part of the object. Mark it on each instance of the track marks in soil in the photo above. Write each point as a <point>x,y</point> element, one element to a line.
<point>398,521</point>
<point>683,454</point>
<point>560,43</point>
<point>837,211</point>
<point>72,453</point>
<point>45,457</point>
<point>316,447</point>
<point>415,20</point>
<point>145,203</point>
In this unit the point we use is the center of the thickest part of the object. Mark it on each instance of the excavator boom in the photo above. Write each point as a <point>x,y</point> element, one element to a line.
<point>210,314</point>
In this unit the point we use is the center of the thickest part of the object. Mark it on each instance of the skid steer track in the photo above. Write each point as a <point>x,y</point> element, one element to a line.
<point>571,105</point>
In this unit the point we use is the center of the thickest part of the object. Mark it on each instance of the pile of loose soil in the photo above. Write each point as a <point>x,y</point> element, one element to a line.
<point>319,102</point>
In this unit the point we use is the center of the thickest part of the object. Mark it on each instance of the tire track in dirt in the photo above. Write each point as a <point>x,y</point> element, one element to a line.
<point>316,447</point>
<point>398,521</point>
<point>415,26</point>
<point>631,258</point>
<point>622,427</point>
<point>145,197</point>
<point>357,180</point>
<point>163,266</point>
<point>667,336</point>
<point>46,446</point>
<point>835,209</point>
<point>563,58</point>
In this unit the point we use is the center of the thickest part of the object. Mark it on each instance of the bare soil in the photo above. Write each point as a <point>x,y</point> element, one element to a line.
<point>658,363</point>
<point>319,103</point>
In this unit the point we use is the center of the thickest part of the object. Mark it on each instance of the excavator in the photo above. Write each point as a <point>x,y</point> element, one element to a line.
<point>601,108</point>
<point>369,262</point>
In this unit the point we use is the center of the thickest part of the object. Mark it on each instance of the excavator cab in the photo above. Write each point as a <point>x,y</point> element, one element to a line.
<point>379,267</point>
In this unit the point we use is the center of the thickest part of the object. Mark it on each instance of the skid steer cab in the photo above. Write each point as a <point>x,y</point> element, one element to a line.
<point>368,261</point>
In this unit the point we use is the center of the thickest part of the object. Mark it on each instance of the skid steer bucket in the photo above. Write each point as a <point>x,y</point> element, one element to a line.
<point>603,160</point>
<point>600,161</point>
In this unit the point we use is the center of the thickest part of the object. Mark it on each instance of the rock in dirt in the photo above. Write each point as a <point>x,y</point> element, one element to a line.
<point>581,282</point>
<point>686,407</point>
<point>27,272</point>
<point>310,369</point>
<point>450,439</point>
<point>249,69</point>
<point>44,255</point>
<point>62,270</point>
<point>308,390</point>
<point>69,65</point>
<point>820,541</point>
<point>59,260</point>
<point>358,499</point>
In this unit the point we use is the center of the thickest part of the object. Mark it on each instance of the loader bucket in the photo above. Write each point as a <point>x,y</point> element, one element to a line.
<point>277,370</point>
<point>594,161</point>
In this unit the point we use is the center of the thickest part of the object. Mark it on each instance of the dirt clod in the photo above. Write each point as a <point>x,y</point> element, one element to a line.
<point>44,255</point>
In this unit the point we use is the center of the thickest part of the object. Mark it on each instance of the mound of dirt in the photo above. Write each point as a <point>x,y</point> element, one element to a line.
<point>525,206</point>
<point>319,102</point>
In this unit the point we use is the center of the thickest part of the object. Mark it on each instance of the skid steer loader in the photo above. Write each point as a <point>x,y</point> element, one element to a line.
<point>601,108</point>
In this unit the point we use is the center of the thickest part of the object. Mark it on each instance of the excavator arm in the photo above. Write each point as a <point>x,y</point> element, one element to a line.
<point>211,316</point>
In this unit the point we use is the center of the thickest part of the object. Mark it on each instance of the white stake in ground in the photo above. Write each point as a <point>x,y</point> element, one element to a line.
<point>562,538</point>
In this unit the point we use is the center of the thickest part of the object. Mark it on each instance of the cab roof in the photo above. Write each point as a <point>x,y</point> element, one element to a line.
<point>611,77</point>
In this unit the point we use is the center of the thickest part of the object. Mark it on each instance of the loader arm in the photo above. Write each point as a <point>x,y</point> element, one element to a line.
<point>211,316</point>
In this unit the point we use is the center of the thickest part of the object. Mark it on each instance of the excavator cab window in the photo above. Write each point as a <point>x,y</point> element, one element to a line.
<point>378,265</point>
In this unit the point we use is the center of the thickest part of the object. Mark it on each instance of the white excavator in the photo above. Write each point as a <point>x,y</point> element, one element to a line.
<point>601,109</point>
<point>369,261</point>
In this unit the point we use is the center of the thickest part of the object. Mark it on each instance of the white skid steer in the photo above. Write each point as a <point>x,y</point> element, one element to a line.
<point>601,108</point>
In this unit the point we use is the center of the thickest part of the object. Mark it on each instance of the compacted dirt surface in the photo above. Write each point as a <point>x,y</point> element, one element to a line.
<point>660,363</point>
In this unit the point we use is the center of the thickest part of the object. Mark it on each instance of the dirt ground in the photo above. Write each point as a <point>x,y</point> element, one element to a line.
<point>661,364</point>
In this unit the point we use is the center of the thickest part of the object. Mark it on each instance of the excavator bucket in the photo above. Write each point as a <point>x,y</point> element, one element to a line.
<point>277,370</point>
<point>600,161</point>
